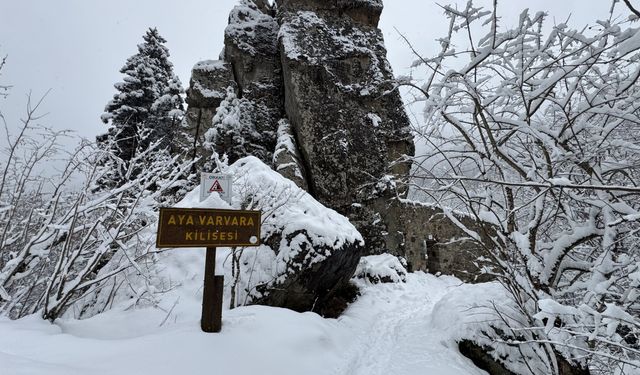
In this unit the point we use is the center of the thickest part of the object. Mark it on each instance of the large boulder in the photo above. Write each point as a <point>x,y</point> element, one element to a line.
<point>308,253</point>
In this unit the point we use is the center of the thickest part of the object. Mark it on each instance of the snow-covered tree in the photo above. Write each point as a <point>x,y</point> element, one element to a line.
<point>232,130</point>
<point>60,241</point>
<point>166,115</point>
<point>534,131</point>
<point>148,101</point>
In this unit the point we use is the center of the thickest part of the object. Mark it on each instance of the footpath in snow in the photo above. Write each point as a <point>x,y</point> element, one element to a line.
<point>400,329</point>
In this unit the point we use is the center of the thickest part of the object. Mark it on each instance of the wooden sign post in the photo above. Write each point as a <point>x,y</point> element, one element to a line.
<point>196,227</point>
<point>211,320</point>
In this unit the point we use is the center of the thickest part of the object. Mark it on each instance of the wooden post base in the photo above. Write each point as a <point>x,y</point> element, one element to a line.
<point>211,320</point>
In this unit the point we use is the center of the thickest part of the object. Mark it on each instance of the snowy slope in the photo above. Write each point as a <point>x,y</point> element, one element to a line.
<point>389,330</point>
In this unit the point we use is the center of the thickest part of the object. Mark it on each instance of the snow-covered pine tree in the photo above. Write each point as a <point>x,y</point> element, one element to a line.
<point>165,116</point>
<point>233,132</point>
<point>148,101</point>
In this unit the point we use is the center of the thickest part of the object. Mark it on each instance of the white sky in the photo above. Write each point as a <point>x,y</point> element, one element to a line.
<point>76,47</point>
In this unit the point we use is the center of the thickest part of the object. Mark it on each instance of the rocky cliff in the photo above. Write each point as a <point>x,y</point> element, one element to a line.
<point>315,99</point>
<point>320,101</point>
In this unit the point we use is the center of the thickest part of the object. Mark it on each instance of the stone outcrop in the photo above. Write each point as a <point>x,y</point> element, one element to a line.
<point>349,131</point>
<point>309,252</point>
<point>427,239</point>
<point>351,127</point>
<point>316,100</point>
<point>321,68</point>
<point>251,49</point>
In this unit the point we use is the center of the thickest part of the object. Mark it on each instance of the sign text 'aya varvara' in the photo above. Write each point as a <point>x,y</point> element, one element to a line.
<point>193,227</point>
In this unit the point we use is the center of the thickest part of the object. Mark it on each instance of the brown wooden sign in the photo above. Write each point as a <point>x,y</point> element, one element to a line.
<point>199,227</point>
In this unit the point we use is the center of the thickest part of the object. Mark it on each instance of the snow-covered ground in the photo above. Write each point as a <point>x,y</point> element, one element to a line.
<point>399,329</point>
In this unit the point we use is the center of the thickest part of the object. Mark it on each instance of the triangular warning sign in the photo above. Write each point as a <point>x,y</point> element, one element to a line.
<point>216,187</point>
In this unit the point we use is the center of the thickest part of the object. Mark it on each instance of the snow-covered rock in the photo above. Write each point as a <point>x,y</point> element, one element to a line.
<point>321,67</point>
<point>366,12</point>
<point>337,80</point>
<point>286,159</point>
<point>383,268</point>
<point>251,48</point>
<point>308,252</point>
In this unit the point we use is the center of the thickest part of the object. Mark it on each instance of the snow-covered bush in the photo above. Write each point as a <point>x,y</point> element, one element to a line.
<point>382,268</point>
<point>536,134</point>
<point>59,242</point>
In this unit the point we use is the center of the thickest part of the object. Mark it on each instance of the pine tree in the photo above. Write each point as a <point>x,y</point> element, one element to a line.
<point>147,105</point>
<point>233,132</point>
<point>166,115</point>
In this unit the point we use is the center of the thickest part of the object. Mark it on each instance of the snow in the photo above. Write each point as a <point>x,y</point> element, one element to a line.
<point>375,119</point>
<point>287,150</point>
<point>389,330</point>
<point>631,44</point>
<point>292,207</point>
<point>209,65</point>
<point>248,26</point>
<point>286,142</point>
<point>383,267</point>
<point>207,93</point>
<point>310,37</point>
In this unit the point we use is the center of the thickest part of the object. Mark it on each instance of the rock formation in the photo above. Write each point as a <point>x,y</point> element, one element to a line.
<point>207,89</point>
<point>318,103</point>
<point>308,252</point>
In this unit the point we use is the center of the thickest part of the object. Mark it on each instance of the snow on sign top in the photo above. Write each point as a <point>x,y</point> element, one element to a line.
<point>216,183</point>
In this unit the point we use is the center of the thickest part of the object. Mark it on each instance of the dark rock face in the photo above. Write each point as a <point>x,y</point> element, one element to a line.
<point>349,132</point>
<point>426,237</point>
<point>350,125</point>
<point>316,287</point>
<point>251,49</point>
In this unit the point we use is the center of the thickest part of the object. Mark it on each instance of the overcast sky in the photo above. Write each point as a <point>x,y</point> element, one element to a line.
<point>76,47</point>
